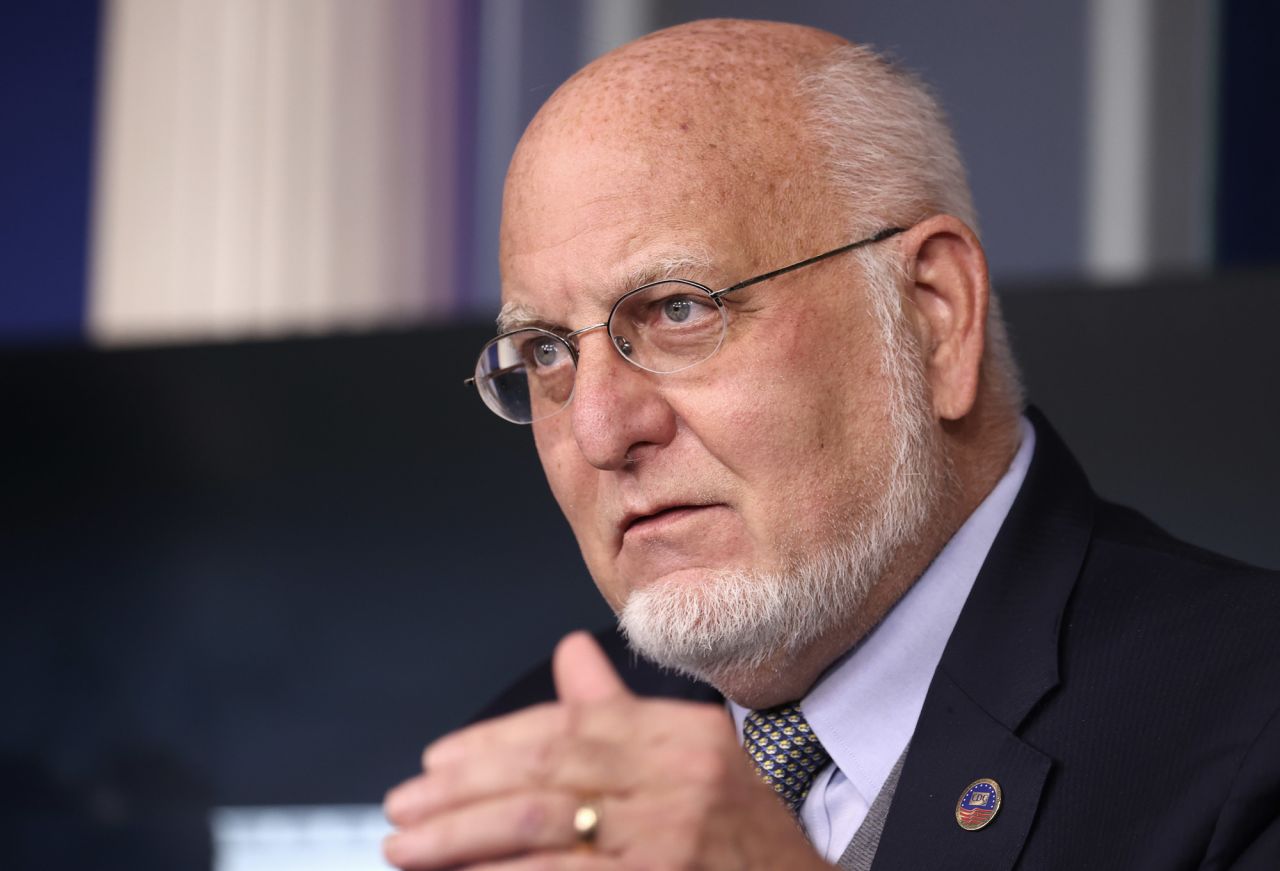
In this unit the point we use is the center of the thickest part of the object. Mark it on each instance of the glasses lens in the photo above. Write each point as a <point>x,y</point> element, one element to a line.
<point>668,326</point>
<point>526,375</point>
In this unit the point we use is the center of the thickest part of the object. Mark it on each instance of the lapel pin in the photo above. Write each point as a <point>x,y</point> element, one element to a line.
<point>978,804</point>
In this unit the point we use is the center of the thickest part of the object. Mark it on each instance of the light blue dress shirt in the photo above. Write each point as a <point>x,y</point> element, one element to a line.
<point>864,709</point>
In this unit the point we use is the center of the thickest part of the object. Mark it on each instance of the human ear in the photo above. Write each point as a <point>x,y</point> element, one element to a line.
<point>950,289</point>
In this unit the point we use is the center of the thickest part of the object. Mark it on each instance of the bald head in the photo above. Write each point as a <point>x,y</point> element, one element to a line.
<point>793,126</point>
<point>691,79</point>
<point>709,107</point>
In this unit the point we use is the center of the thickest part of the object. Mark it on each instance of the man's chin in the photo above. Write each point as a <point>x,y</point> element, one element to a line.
<point>709,624</point>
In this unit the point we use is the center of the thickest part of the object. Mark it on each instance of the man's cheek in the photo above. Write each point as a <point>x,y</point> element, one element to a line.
<point>558,465</point>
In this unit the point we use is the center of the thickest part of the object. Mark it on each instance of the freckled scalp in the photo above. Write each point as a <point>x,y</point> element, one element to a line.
<point>704,87</point>
<point>676,78</point>
<point>712,102</point>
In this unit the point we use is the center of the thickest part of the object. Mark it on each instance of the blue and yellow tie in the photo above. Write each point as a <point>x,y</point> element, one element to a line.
<point>786,752</point>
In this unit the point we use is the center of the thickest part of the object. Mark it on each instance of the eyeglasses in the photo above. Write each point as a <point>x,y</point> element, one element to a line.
<point>663,327</point>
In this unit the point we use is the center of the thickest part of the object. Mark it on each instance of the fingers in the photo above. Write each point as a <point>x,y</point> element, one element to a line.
<point>583,673</point>
<point>580,746</point>
<point>545,862</point>
<point>495,829</point>
<point>530,731</point>
<point>584,767</point>
<point>493,736</point>
<point>503,793</point>
<point>584,677</point>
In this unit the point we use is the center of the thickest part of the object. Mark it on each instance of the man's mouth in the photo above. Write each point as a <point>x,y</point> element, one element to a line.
<point>658,519</point>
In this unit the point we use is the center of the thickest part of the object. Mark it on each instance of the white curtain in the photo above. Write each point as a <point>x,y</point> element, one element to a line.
<point>274,166</point>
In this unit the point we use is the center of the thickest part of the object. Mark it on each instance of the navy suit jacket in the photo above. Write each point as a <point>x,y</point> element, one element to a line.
<point>1122,687</point>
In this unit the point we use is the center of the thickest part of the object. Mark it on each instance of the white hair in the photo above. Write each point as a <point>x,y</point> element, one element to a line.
<point>892,161</point>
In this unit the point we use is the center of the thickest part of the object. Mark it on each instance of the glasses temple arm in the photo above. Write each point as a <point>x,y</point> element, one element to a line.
<point>489,376</point>
<point>878,237</point>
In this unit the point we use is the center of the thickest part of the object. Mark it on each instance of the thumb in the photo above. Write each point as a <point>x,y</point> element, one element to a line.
<point>583,673</point>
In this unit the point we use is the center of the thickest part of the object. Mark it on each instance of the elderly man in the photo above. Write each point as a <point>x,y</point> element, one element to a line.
<point>748,317</point>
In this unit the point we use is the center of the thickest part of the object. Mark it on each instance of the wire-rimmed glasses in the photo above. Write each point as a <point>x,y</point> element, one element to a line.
<point>662,327</point>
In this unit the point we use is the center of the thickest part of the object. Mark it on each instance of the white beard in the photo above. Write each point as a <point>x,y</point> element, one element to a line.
<point>736,621</point>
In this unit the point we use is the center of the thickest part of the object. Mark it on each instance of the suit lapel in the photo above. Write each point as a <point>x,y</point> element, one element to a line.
<point>1001,660</point>
<point>957,743</point>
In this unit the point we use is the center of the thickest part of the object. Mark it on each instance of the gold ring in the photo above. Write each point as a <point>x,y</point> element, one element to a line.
<point>586,822</point>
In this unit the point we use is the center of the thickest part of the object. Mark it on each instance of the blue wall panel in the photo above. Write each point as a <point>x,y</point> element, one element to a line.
<point>48,84</point>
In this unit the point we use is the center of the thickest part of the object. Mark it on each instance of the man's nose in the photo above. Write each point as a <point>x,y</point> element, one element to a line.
<point>617,408</point>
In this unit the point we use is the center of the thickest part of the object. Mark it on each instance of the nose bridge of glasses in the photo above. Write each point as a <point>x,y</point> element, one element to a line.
<point>621,344</point>
<point>572,337</point>
<point>572,340</point>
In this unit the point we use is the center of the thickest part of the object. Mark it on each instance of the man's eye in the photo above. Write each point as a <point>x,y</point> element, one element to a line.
<point>546,353</point>
<point>677,309</point>
<point>683,310</point>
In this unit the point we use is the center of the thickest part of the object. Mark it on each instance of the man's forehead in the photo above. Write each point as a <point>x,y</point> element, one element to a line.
<point>656,159</point>
<point>571,246</point>
<point>588,221</point>
<point>711,107</point>
<point>551,303</point>
<point>568,181</point>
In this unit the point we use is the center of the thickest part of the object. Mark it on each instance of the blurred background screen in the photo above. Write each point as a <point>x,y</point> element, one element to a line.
<point>259,544</point>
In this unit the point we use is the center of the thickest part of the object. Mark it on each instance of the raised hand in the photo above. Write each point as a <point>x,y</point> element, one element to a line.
<point>667,781</point>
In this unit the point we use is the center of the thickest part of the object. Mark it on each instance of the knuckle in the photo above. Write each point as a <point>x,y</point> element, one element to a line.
<point>569,720</point>
<point>541,761</point>
<point>529,820</point>
<point>555,720</point>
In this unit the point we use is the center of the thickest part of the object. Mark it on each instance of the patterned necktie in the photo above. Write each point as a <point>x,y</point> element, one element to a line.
<point>785,750</point>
